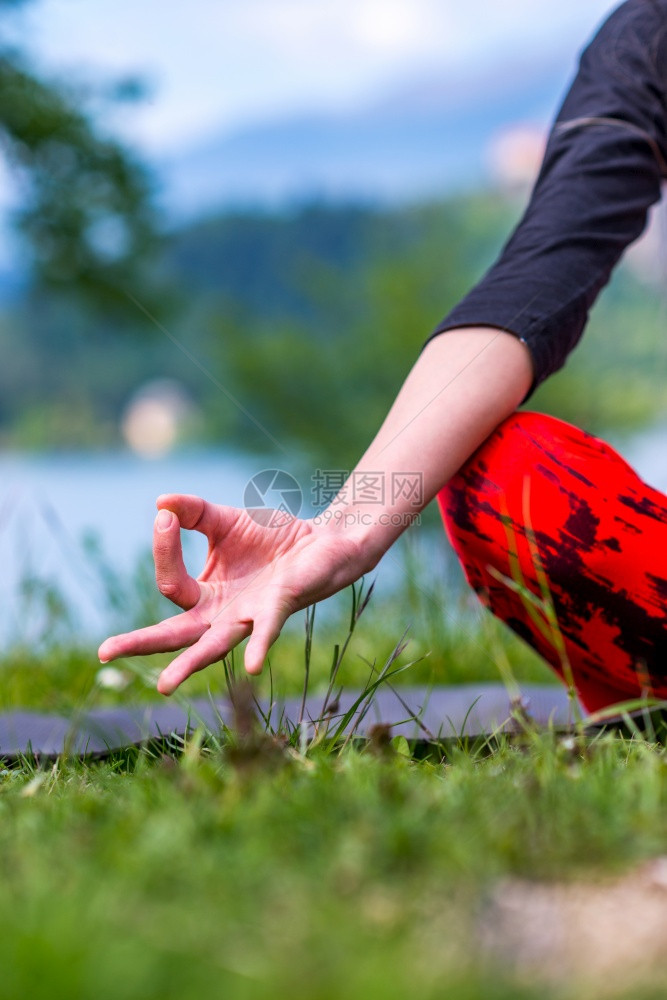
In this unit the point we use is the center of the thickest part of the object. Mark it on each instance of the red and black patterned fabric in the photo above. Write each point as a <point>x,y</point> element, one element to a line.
<point>544,508</point>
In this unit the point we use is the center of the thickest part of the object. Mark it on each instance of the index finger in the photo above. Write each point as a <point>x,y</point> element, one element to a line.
<point>193,512</point>
<point>165,637</point>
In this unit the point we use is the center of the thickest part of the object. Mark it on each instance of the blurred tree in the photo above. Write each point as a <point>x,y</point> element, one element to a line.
<point>84,205</point>
<point>322,370</point>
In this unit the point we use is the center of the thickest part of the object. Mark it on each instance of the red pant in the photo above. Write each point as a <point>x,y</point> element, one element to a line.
<point>543,500</point>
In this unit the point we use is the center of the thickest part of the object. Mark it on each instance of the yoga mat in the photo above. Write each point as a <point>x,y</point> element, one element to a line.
<point>418,713</point>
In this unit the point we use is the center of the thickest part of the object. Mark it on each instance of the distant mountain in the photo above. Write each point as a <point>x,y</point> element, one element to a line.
<point>421,140</point>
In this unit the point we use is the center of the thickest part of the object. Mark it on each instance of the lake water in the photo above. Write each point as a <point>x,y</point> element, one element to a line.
<point>48,504</point>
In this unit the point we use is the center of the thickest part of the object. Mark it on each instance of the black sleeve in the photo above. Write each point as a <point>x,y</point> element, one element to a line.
<point>602,169</point>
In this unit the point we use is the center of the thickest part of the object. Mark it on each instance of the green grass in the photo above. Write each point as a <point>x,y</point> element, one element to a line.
<point>251,868</point>
<point>246,875</point>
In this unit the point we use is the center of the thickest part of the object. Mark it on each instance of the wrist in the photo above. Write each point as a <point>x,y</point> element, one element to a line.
<point>371,529</point>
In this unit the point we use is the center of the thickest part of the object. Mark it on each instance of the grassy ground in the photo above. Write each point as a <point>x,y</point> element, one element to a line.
<point>250,868</point>
<point>263,875</point>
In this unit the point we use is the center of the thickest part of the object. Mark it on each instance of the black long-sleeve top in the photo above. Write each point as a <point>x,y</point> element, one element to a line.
<point>602,170</point>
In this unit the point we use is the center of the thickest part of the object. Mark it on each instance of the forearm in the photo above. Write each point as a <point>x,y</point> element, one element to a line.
<point>461,387</point>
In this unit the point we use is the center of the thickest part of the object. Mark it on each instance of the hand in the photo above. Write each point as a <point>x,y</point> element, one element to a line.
<point>255,577</point>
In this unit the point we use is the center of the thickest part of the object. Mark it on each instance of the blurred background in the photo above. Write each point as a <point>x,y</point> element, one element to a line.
<point>225,232</point>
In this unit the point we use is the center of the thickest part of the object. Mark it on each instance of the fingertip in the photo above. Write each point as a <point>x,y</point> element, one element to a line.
<point>165,685</point>
<point>254,664</point>
<point>168,501</point>
<point>165,519</point>
<point>103,653</point>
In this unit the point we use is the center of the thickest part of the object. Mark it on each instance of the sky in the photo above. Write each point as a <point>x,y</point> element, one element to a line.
<point>222,64</point>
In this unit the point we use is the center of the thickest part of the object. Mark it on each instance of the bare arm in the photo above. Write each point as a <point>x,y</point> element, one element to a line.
<point>462,385</point>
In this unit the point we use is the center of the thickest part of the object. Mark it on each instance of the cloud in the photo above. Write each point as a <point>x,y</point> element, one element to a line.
<point>221,61</point>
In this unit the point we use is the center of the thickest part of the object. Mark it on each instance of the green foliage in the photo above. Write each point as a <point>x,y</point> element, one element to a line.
<point>310,319</point>
<point>85,208</point>
<point>324,377</point>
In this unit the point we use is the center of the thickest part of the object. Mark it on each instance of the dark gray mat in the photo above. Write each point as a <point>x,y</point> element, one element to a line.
<point>419,713</point>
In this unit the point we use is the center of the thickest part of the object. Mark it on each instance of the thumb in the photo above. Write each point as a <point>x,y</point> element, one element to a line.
<point>172,578</point>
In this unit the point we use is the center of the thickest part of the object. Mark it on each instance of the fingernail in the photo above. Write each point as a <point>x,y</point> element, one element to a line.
<point>164,520</point>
